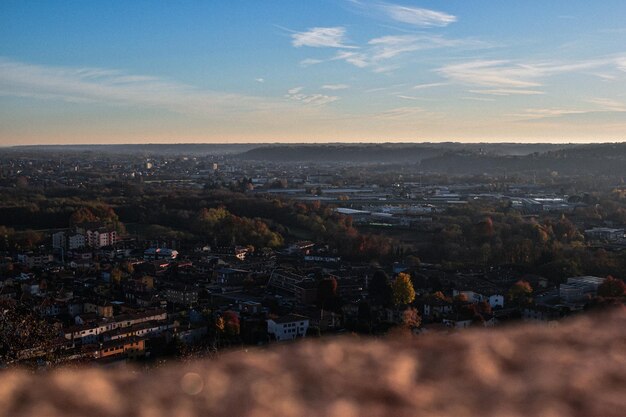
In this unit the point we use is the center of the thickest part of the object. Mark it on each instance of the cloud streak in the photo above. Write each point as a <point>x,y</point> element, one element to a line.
<point>379,51</point>
<point>513,75</point>
<point>335,86</point>
<point>296,94</point>
<point>117,88</point>
<point>321,37</point>
<point>415,16</point>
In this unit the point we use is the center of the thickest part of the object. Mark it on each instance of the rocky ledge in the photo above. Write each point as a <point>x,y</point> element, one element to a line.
<point>575,369</point>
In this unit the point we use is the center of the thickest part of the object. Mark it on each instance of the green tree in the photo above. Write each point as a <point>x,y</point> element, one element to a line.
<point>379,289</point>
<point>403,292</point>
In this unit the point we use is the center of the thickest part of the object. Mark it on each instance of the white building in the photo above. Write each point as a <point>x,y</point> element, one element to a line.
<point>288,327</point>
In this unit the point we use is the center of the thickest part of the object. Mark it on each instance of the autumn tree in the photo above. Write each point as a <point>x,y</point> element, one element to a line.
<point>411,318</point>
<point>612,287</point>
<point>116,276</point>
<point>520,292</point>
<point>127,267</point>
<point>403,292</point>
<point>231,323</point>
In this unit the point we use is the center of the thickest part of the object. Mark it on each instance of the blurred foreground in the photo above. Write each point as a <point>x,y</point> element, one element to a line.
<point>577,369</point>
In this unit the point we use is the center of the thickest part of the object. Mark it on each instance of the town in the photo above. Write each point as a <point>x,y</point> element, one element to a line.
<point>112,257</point>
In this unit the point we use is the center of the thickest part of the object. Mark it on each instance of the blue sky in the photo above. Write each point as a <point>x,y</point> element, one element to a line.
<point>327,70</point>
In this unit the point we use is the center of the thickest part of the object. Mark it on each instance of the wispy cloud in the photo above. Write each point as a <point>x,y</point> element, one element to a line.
<point>335,86</point>
<point>385,48</point>
<point>357,59</point>
<point>295,90</point>
<point>321,37</point>
<point>507,92</point>
<point>310,61</point>
<point>405,97</point>
<point>478,98</point>
<point>533,114</point>
<point>429,85</point>
<point>400,113</point>
<point>118,88</point>
<point>608,104</point>
<point>509,74</point>
<point>312,99</point>
<point>423,18</point>
<point>259,80</point>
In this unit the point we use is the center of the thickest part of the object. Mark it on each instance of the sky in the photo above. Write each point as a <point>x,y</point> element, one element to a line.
<point>312,71</point>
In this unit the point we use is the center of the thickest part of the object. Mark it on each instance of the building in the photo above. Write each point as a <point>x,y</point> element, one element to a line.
<point>288,327</point>
<point>160,253</point>
<point>76,241</point>
<point>286,281</point>
<point>494,300</point>
<point>100,238</point>
<point>577,288</point>
<point>182,295</point>
<point>604,234</point>
<point>231,277</point>
<point>132,347</point>
<point>35,260</point>
<point>58,240</point>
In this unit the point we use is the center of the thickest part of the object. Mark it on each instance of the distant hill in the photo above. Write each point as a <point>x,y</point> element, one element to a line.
<point>360,153</point>
<point>148,149</point>
<point>603,159</point>
<point>387,152</point>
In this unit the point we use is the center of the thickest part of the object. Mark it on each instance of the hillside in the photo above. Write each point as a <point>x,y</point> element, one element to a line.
<point>385,153</point>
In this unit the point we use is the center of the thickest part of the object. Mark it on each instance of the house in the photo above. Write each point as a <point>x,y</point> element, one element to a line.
<point>494,300</point>
<point>160,253</point>
<point>147,329</point>
<point>288,327</point>
<point>90,332</point>
<point>133,347</point>
<point>35,260</point>
<point>102,309</point>
<point>457,323</point>
<point>435,306</point>
<point>49,308</point>
<point>543,313</point>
